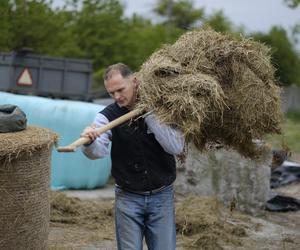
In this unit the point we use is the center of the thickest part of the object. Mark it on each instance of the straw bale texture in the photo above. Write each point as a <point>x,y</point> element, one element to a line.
<point>214,88</point>
<point>24,184</point>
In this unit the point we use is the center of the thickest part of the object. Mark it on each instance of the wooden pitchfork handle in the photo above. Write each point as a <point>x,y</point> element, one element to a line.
<point>84,140</point>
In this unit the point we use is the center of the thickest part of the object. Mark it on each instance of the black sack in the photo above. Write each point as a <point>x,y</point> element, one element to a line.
<point>12,118</point>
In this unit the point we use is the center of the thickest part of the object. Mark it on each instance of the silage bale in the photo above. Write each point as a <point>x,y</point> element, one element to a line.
<point>24,186</point>
<point>239,102</point>
<point>68,119</point>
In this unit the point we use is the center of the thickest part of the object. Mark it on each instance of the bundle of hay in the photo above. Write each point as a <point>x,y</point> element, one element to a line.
<point>24,184</point>
<point>214,88</point>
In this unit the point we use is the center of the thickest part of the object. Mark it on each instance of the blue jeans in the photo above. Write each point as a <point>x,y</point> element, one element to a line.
<point>151,216</point>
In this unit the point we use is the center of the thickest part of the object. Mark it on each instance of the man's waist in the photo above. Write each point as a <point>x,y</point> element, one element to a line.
<point>149,192</point>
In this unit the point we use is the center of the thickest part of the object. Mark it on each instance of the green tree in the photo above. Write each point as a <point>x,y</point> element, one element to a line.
<point>180,13</point>
<point>137,40</point>
<point>99,25</point>
<point>36,25</point>
<point>5,26</point>
<point>219,22</point>
<point>285,57</point>
<point>296,32</point>
<point>143,38</point>
<point>106,36</point>
<point>296,29</point>
<point>292,3</point>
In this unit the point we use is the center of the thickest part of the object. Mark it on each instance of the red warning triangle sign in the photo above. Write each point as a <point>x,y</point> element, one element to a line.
<point>25,78</point>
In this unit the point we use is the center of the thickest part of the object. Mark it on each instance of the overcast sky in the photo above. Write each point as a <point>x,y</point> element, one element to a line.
<point>255,15</point>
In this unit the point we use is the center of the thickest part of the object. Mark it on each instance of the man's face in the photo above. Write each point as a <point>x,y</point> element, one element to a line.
<point>122,90</point>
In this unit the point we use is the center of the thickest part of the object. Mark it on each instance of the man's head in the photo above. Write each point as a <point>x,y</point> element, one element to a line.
<point>121,84</point>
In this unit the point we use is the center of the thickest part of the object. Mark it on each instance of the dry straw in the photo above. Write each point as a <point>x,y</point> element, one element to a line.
<point>13,145</point>
<point>215,88</point>
<point>90,214</point>
<point>201,222</point>
<point>24,184</point>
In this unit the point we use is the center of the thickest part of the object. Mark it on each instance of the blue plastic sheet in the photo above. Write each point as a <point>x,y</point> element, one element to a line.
<point>68,119</point>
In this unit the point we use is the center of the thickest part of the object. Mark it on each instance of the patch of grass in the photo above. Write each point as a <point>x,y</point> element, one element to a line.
<point>294,115</point>
<point>290,137</point>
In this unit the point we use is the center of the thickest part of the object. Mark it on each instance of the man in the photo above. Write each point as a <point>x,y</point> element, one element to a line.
<point>143,166</point>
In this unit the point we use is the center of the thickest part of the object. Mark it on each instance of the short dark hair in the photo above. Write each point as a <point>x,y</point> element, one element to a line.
<point>122,68</point>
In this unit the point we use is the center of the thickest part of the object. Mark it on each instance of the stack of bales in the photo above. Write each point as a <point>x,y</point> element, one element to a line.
<point>24,185</point>
<point>215,88</point>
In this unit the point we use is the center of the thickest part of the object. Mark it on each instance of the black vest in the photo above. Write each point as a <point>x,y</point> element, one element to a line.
<point>138,161</point>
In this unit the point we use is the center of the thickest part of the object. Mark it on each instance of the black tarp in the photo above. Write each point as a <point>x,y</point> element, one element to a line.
<point>287,173</point>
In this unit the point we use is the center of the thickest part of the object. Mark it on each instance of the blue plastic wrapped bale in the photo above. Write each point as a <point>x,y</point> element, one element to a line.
<point>68,119</point>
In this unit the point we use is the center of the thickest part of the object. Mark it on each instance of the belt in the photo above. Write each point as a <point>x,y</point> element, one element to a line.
<point>154,191</point>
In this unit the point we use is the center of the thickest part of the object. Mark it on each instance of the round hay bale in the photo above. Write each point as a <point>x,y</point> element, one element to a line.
<point>215,88</point>
<point>24,186</point>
